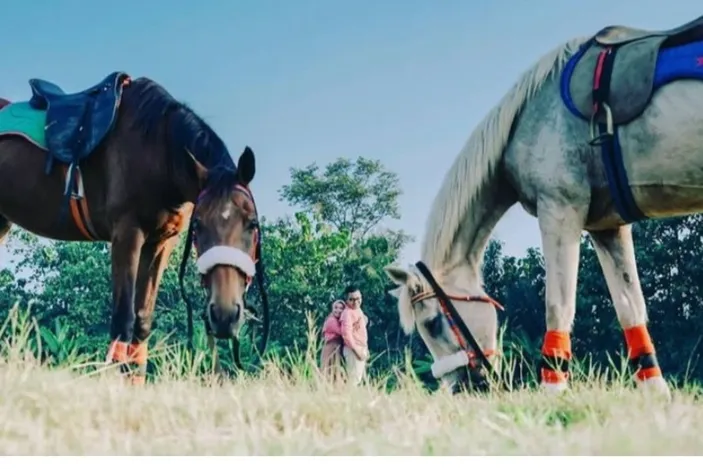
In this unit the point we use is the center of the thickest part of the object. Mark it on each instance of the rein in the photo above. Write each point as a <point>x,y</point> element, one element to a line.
<point>461,331</point>
<point>260,280</point>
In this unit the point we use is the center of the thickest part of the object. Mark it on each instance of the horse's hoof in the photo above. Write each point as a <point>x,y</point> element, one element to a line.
<point>136,380</point>
<point>554,388</point>
<point>655,386</point>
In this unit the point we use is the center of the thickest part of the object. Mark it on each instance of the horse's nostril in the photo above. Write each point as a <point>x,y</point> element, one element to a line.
<point>224,321</point>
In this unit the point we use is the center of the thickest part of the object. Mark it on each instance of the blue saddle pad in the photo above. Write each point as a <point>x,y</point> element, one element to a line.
<point>76,123</point>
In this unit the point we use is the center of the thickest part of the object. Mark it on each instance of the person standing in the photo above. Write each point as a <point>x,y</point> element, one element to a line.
<point>355,336</point>
<point>331,359</point>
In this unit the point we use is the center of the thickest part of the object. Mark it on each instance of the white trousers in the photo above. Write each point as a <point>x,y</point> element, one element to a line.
<point>355,368</point>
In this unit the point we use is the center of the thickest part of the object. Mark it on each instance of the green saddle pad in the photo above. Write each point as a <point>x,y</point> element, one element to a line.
<point>23,120</point>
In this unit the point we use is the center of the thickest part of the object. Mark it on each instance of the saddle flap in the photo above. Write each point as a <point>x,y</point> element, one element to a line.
<point>69,127</point>
<point>631,81</point>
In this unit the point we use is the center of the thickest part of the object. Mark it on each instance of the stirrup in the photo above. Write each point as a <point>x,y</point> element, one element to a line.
<point>602,138</point>
<point>80,193</point>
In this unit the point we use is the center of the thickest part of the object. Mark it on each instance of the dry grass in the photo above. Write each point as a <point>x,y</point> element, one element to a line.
<point>63,412</point>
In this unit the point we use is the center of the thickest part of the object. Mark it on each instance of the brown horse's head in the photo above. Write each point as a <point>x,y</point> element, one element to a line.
<point>226,236</point>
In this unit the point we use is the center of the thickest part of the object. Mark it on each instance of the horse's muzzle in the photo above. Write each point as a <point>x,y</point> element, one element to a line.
<point>471,380</point>
<point>224,321</point>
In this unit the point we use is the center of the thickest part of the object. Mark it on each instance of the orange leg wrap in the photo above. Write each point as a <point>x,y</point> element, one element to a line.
<point>117,352</point>
<point>640,351</point>
<point>557,344</point>
<point>553,377</point>
<point>138,353</point>
<point>556,348</point>
<point>638,341</point>
<point>130,354</point>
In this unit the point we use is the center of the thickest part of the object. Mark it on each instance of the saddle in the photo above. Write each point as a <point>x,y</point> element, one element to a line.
<point>611,79</point>
<point>76,123</point>
<point>619,35</point>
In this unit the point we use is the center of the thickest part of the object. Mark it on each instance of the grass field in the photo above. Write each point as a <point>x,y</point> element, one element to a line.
<point>70,412</point>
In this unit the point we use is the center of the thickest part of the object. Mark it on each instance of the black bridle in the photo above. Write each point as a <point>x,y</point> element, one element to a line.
<point>454,319</point>
<point>261,284</point>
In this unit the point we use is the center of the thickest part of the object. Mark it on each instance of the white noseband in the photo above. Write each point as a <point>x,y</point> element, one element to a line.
<point>447,364</point>
<point>226,255</point>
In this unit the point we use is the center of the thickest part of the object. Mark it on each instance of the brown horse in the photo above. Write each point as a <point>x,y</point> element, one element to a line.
<point>142,163</point>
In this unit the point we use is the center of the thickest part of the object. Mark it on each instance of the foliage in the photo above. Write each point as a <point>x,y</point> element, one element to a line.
<point>336,239</point>
<point>351,196</point>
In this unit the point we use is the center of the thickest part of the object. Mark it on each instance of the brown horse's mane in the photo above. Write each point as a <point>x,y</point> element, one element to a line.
<point>184,131</point>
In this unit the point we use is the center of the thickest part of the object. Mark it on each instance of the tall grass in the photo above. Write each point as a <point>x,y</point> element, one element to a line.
<point>55,399</point>
<point>22,339</point>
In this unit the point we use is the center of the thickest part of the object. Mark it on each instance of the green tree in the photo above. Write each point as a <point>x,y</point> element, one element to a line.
<point>352,196</point>
<point>353,199</point>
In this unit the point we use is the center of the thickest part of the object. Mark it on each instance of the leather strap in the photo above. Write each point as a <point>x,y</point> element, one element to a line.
<point>79,209</point>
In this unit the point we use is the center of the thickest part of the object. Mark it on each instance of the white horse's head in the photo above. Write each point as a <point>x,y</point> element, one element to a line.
<point>418,308</point>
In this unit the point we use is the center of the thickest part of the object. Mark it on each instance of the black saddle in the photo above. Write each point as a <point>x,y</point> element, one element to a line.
<point>76,123</point>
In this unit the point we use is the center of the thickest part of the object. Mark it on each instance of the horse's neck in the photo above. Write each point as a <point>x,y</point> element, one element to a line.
<point>465,256</point>
<point>186,184</point>
<point>465,276</point>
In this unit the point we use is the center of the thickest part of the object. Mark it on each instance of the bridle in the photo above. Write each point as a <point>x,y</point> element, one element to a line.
<point>471,354</point>
<point>245,262</point>
<point>248,263</point>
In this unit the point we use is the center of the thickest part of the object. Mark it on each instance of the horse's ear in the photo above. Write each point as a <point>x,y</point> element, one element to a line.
<point>200,169</point>
<point>395,293</point>
<point>246,167</point>
<point>399,275</point>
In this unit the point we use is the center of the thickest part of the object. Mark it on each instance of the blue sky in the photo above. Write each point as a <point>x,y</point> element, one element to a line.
<point>311,80</point>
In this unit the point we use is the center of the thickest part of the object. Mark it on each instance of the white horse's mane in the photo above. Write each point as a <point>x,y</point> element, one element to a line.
<point>476,163</point>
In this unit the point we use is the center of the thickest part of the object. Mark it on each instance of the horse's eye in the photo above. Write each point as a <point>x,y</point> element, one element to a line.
<point>434,326</point>
<point>253,224</point>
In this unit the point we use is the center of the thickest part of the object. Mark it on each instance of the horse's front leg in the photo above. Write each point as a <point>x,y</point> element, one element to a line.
<point>616,254</point>
<point>561,236</point>
<point>127,242</point>
<point>152,263</point>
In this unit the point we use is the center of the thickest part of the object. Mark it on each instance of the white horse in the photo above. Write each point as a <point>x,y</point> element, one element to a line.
<point>534,149</point>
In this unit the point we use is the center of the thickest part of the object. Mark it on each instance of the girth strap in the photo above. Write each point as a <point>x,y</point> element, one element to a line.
<point>79,205</point>
<point>607,138</point>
